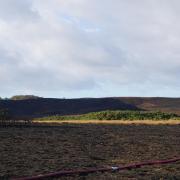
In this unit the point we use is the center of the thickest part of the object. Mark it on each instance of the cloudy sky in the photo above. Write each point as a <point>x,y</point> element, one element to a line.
<point>90,48</point>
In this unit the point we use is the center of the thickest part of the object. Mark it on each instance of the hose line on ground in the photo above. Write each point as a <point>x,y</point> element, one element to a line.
<point>94,170</point>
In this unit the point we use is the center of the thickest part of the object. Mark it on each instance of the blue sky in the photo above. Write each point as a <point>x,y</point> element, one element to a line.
<point>82,48</point>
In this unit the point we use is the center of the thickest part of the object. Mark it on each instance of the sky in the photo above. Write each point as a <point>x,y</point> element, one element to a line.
<point>90,48</point>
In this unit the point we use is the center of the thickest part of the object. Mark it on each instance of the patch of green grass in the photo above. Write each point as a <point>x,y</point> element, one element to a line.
<point>115,115</point>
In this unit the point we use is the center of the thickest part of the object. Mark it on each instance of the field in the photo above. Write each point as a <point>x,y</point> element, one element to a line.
<point>26,151</point>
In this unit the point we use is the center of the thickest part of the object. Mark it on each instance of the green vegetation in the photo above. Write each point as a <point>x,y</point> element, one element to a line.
<point>116,115</point>
<point>21,97</point>
<point>24,97</point>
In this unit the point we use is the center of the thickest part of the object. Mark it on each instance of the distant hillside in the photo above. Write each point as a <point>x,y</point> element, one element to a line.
<point>39,107</point>
<point>171,105</point>
<point>49,106</point>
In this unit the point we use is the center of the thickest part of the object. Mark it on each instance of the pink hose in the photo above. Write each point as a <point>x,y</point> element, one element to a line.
<point>93,170</point>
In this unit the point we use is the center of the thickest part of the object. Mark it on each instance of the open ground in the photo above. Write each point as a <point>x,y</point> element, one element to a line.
<point>27,151</point>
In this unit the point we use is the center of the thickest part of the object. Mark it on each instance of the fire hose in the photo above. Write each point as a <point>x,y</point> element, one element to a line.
<point>94,170</point>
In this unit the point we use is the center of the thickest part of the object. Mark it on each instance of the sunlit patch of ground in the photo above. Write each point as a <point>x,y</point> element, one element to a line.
<point>26,151</point>
<point>148,122</point>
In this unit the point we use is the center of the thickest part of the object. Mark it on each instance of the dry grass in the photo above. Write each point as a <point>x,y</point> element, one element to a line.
<point>118,122</point>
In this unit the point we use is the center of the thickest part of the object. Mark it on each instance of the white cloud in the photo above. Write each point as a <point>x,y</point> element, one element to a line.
<point>17,10</point>
<point>59,46</point>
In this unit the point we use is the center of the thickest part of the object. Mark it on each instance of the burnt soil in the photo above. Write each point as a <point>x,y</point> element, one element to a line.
<point>26,151</point>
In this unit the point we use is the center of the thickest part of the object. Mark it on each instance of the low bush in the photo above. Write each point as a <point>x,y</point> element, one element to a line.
<point>116,115</point>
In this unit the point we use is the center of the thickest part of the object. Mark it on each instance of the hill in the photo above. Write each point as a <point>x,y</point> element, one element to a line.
<point>48,106</point>
<point>170,105</point>
<point>40,107</point>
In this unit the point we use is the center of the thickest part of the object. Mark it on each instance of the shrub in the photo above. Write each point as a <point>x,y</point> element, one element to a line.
<point>116,115</point>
